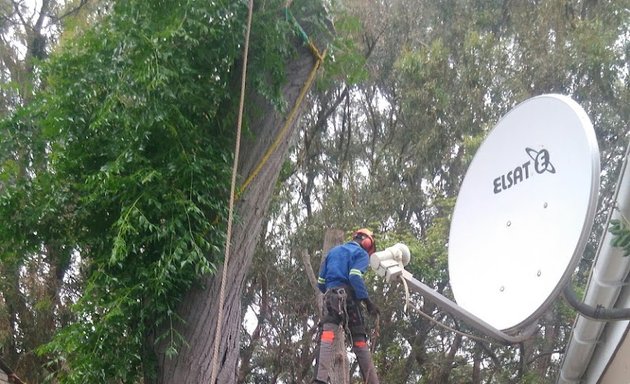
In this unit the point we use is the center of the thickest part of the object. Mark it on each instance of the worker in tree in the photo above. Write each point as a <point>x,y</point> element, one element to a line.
<point>341,282</point>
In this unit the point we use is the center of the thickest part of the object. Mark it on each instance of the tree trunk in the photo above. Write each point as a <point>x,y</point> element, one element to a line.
<point>199,309</point>
<point>476,369</point>
<point>448,363</point>
<point>340,371</point>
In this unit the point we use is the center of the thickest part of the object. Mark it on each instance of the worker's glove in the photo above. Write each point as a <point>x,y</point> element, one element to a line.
<point>371,308</point>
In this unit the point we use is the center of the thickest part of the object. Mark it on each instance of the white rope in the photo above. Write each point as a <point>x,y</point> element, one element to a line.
<point>406,294</point>
<point>217,335</point>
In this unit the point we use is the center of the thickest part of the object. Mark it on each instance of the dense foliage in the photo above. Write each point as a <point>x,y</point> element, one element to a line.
<point>129,172</point>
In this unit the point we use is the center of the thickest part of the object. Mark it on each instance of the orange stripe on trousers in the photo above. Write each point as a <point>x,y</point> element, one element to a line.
<point>328,336</point>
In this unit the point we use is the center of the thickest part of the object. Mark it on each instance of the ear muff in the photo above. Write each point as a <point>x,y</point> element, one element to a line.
<point>366,240</point>
<point>367,244</point>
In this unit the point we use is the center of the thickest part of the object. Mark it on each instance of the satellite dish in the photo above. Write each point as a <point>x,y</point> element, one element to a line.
<point>524,212</point>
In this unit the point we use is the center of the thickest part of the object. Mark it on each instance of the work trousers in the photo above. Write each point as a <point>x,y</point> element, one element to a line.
<point>340,308</point>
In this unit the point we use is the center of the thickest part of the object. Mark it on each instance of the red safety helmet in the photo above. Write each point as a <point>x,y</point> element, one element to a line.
<point>365,238</point>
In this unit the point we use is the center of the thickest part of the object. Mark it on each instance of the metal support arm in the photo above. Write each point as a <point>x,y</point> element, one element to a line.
<point>459,312</point>
<point>390,263</point>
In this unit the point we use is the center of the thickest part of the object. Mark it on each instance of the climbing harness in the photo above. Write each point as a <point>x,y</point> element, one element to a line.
<point>336,303</point>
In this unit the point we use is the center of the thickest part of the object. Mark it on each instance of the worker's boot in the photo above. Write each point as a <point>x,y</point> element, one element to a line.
<point>324,361</point>
<point>364,358</point>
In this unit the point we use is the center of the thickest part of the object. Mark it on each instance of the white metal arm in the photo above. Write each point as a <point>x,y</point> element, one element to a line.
<point>390,263</point>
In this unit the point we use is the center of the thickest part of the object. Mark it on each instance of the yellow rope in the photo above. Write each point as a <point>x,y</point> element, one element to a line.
<point>217,334</point>
<point>291,116</point>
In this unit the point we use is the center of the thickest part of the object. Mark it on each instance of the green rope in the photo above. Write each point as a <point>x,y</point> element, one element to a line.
<point>299,30</point>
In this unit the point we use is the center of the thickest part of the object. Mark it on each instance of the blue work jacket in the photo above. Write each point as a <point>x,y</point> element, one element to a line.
<point>345,265</point>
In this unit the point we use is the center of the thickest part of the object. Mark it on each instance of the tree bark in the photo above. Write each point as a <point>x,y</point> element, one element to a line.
<point>340,371</point>
<point>448,362</point>
<point>247,353</point>
<point>312,278</point>
<point>476,369</point>
<point>199,309</point>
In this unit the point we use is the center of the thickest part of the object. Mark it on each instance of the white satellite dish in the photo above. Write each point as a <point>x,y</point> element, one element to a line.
<point>524,212</point>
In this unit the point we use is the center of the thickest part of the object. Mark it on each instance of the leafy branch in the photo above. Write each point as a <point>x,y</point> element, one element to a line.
<point>620,229</point>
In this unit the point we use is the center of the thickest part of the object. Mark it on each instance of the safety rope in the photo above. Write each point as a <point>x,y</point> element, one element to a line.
<point>438,323</point>
<point>217,334</point>
<point>293,113</point>
<point>406,294</point>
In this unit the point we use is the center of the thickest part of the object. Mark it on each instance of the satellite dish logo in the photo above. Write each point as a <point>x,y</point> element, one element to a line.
<point>521,172</point>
